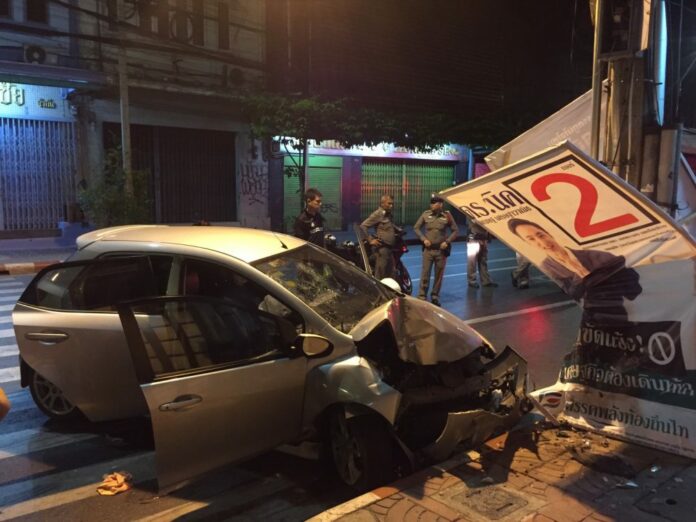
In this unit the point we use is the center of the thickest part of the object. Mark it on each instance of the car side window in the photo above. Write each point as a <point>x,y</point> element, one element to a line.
<point>160,265</point>
<point>202,278</point>
<point>184,334</point>
<point>96,285</point>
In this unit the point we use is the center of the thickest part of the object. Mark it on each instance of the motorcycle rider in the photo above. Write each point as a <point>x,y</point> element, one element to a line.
<point>436,245</point>
<point>384,238</point>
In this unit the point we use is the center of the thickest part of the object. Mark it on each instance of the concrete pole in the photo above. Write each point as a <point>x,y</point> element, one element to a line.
<point>125,120</point>
<point>125,112</point>
<point>596,80</point>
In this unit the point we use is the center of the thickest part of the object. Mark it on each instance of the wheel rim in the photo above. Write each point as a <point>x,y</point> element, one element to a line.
<point>346,452</point>
<point>51,397</point>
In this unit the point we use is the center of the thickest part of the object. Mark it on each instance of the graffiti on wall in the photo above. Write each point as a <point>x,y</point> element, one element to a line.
<point>253,187</point>
<point>254,183</point>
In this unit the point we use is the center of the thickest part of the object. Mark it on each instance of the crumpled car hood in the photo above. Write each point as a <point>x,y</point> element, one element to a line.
<point>425,334</point>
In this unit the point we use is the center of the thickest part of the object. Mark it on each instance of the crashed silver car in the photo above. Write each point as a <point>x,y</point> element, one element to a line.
<point>235,341</point>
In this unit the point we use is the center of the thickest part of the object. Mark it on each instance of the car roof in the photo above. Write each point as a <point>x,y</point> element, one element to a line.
<point>247,244</point>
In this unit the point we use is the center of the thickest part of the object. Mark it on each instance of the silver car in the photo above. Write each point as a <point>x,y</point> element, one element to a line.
<point>235,341</point>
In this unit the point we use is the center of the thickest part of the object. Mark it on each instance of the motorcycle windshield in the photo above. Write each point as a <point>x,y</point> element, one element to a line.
<point>364,248</point>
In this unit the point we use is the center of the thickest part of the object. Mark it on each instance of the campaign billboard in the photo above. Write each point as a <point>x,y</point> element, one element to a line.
<point>632,369</point>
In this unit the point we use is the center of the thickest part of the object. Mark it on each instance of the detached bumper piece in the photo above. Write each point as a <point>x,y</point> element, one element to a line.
<point>508,377</point>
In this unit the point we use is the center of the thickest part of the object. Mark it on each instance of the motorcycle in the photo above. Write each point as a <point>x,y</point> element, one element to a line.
<point>360,254</point>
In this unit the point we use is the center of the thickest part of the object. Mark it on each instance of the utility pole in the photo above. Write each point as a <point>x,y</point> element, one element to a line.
<point>124,107</point>
<point>640,146</point>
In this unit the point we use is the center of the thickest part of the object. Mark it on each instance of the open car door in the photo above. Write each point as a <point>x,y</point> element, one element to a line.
<point>218,381</point>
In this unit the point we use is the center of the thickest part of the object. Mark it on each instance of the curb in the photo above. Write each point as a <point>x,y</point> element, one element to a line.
<point>380,493</point>
<point>30,267</point>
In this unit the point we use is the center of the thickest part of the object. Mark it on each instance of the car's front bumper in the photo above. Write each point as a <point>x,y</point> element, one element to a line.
<point>476,426</point>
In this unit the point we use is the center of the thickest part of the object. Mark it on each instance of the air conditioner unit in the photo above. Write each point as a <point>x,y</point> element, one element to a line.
<point>39,55</point>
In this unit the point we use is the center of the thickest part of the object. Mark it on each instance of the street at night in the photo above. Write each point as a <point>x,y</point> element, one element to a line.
<point>214,220</point>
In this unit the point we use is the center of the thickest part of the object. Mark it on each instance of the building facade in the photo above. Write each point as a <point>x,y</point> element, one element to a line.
<point>60,110</point>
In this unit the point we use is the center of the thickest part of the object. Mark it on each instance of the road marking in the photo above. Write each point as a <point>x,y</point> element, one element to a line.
<point>6,308</point>
<point>9,298</point>
<point>9,332</point>
<point>531,310</point>
<point>35,494</point>
<point>464,273</point>
<point>9,374</point>
<point>9,350</point>
<point>27,441</point>
<point>6,319</point>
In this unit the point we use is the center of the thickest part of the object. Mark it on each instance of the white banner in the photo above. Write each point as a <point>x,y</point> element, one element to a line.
<point>632,270</point>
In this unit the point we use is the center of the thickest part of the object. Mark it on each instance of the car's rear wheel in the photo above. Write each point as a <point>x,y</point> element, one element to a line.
<point>50,399</point>
<point>361,449</point>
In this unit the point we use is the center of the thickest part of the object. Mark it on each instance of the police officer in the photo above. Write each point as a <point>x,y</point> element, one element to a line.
<point>436,245</point>
<point>309,225</point>
<point>385,235</point>
<point>477,256</point>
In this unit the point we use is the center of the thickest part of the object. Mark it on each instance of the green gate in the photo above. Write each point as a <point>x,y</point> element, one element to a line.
<point>410,183</point>
<point>324,175</point>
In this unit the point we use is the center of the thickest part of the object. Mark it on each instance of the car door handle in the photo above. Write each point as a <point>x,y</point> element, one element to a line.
<point>180,403</point>
<point>47,337</point>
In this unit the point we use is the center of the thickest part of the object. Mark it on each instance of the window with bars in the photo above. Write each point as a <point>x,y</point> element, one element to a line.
<point>37,11</point>
<point>5,9</point>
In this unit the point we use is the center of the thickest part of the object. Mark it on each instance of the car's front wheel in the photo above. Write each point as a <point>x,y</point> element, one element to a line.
<point>361,449</point>
<point>50,399</point>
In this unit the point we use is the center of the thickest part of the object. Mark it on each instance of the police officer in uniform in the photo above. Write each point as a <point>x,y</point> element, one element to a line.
<point>309,225</point>
<point>477,255</point>
<point>436,245</point>
<point>385,235</point>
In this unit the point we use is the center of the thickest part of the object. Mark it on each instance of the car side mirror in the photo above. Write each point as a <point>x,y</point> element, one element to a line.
<point>313,346</point>
<point>391,283</point>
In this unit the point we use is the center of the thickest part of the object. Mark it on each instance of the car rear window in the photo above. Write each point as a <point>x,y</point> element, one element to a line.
<point>94,285</point>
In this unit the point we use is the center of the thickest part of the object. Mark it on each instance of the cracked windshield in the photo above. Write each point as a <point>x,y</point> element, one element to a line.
<point>334,289</point>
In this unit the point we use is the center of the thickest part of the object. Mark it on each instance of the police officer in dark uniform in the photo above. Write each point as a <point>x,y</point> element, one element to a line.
<point>309,225</point>
<point>385,235</point>
<point>436,245</point>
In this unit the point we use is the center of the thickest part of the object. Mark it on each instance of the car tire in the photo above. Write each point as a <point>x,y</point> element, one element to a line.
<point>407,283</point>
<point>361,451</point>
<point>50,399</point>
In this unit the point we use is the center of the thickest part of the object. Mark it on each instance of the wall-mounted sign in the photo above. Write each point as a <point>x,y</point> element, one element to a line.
<point>34,102</point>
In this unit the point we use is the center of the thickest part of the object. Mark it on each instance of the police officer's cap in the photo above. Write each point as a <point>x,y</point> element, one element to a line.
<point>436,199</point>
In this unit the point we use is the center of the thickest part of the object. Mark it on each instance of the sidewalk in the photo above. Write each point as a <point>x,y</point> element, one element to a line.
<point>538,473</point>
<point>27,256</point>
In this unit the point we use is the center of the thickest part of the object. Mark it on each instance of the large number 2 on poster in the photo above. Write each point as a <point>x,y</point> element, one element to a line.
<point>584,226</point>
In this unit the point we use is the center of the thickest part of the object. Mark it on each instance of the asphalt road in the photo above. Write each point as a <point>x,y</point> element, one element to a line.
<point>50,470</point>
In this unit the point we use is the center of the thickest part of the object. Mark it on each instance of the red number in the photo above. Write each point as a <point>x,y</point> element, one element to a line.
<point>588,204</point>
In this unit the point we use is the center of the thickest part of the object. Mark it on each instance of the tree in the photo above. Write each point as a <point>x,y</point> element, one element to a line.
<point>296,120</point>
<point>106,201</point>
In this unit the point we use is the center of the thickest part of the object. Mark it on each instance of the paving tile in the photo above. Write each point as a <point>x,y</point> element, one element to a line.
<point>399,511</point>
<point>361,515</point>
<point>442,510</point>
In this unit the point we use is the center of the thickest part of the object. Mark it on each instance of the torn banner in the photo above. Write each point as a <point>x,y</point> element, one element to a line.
<point>632,269</point>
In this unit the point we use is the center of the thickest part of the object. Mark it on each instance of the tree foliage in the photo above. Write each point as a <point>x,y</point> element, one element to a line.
<point>301,119</point>
<point>342,120</point>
